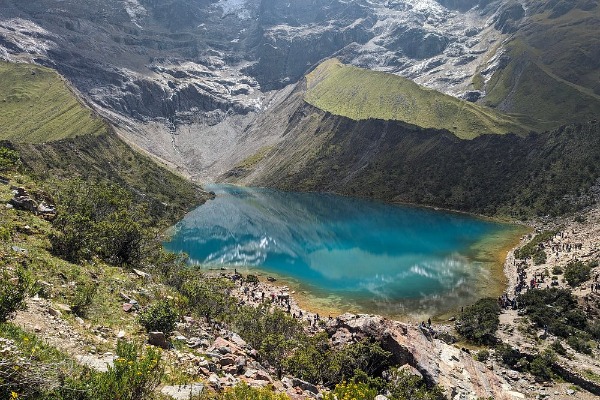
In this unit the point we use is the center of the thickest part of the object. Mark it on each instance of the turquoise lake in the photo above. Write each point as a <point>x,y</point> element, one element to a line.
<point>347,254</point>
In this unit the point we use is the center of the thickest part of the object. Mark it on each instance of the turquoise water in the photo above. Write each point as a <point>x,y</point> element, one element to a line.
<point>348,254</point>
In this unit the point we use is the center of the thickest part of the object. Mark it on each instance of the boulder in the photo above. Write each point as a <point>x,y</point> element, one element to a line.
<point>183,392</point>
<point>435,360</point>
<point>158,339</point>
<point>305,386</point>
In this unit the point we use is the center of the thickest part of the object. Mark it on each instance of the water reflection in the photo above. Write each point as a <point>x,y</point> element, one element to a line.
<point>360,255</point>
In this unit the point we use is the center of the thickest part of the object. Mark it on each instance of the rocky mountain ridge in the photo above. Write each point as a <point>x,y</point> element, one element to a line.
<point>184,79</point>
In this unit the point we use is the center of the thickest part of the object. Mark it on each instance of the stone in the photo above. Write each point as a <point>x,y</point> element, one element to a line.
<point>127,307</point>
<point>141,274</point>
<point>37,328</point>
<point>305,386</point>
<point>158,339</point>
<point>120,334</point>
<point>381,397</point>
<point>54,312</point>
<point>99,364</point>
<point>183,392</point>
<point>80,320</point>
<point>64,307</point>
<point>570,392</point>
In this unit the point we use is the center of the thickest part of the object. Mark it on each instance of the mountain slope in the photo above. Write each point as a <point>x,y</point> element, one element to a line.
<point>36,105</point>
<point>551,65</point>
<point>510,175</point>
<point>362,94</point>
<point>57,137</point>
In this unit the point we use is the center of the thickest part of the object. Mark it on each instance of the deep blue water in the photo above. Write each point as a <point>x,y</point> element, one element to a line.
<point>349,254</point>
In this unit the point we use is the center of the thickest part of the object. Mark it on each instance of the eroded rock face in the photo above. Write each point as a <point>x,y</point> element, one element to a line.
<point>436,361</point>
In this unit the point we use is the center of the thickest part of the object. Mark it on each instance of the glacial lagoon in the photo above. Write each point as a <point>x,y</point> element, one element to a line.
<point>346,254</point>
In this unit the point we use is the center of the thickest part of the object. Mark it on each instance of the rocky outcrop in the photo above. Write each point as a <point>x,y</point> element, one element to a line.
<point>438,362</point>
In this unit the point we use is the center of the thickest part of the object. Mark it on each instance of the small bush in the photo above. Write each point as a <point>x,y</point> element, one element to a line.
<point>83,299</point>
<point>251,279</point>
<point>507,355</point>
<point>9,159</point>
<point>159,317</point>
<point>13,291</point>
<point>479,322</point>
<point>580,344</point>
<point>558,348</point>
<point>134,376</point>
<point>406,386</point>
<point>577,272</point>
<point>556,270</point>
<point>482,355</point>
<point>541,366</point>
<point>242,391</point>
<point>351,390</point>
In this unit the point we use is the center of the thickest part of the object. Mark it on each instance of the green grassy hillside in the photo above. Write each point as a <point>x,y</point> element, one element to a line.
<point>546,173</point>
<point>554,69</point>
<point>36,106</point>
<point>361,94</point>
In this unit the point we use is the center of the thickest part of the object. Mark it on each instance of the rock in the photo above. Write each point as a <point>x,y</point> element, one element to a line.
<point>64,307</point>
<point>158,339</point>
<point>127,307</point>
<point>183,392</point>
<point>570,392</point>
<point>54,312</point>
<point>99,364</point>
<point>228,359</point>
<point>380,397</point>
<point>213,380</point>
<point>263,376</point>
<point>120,334</point>
<point>80,320</point>
<point>141,274</point>
<point>305,386</point>
<point>37,328</point>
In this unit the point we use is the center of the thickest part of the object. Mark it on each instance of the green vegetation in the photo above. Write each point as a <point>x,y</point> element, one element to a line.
<point>244,392</point>
<point>107,158</point>
<point>9,159</point>
<point>38,106</point>
<point>553,72</point>
<point>99,220</point>
<point>578,272</point>
<point>161,316</point>
<point>14,286</point>
<point>362,94</point>
<point>137,371</point>
<point>554,309</point>
<point>502,175</point>
<point>535,248</point>
<point>479,322</point>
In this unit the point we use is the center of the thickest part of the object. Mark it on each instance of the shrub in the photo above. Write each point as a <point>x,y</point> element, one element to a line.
<point>252,279</point>
<point>13,291</point>
<point>209,297</point>
<point>508,355</point>
<point>9,159</point>
<point>99,219</point>
<point>556,270</point>
<point>479,322</point>
<point>351,390</point>
<point>84,297</point>
<point>134,376</point>
<point>577,272</point>
<point>580,344</point>
<point>159,317</point>
<point>541,365</point>
<point>242,391</point>
<point>405,386</point>
<point>558,348</point>
<point>554,309</point>
<point>482,355</point>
